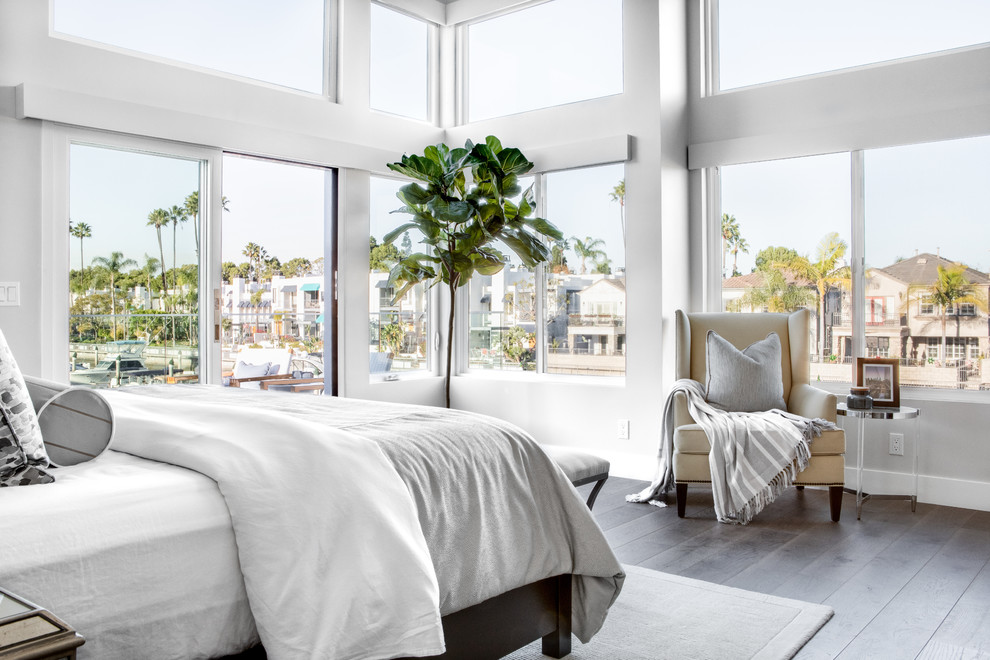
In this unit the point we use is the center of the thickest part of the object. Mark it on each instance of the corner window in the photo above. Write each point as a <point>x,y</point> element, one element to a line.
<point>279,43</point>
<point>550,54</point>
<point>569,315</point>
<point>400,63</point>
<point>761,41</point>
<point>398,328</point>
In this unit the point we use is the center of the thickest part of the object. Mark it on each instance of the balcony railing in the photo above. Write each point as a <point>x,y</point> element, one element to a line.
<point>887,321</point>
<point>597,320</point>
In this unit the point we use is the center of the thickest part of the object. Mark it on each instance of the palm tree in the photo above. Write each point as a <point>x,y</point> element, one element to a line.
<point>589,248</point>
<point>952,288</point>
<point>618,194</point>
<point>779,292</point>
<point>158,219</point>
<point>151,266</point>
<point>826,273</point>
<point>254,252</point>
<point>176,214</point>
<point>81,230</point>
<point>113,265</point>
<point>730,233</point>
<point>191,208</point>
<point>736,245</point>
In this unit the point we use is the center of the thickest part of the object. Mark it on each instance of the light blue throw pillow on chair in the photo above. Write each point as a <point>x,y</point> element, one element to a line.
<point>749,380</point>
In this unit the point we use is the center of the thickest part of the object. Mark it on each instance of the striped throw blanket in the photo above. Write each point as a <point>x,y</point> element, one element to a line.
<point>754,456</point>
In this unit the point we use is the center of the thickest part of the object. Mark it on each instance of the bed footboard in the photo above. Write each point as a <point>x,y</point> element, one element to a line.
<point>509,621</point>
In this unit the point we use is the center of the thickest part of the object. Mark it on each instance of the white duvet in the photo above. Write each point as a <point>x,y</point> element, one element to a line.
<point>320,532</point>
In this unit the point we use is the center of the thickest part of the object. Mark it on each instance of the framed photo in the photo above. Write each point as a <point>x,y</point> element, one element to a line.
<point>882,376</point>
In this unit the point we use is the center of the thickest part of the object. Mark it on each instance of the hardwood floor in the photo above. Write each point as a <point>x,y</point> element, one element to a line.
<point>902,584</point>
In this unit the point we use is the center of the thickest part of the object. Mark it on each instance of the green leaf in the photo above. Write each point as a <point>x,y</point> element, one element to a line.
<point>544,227</point>
<point>512,161</point>
<point>493,143</point>
<point>414,194</point>
<point>398,231</point>
<point>450,212</point>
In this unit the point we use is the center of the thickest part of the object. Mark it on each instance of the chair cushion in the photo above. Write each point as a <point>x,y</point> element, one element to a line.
<point>577,465</point>
<point>691,439</point>
<point>749,380</point>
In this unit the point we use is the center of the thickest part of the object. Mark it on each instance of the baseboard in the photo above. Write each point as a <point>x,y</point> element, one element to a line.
<point>943,491</point>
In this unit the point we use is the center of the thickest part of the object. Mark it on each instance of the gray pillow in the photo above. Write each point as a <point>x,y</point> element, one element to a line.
<point>23,460</point>
<point>749,380</point>
<point>77,424</point>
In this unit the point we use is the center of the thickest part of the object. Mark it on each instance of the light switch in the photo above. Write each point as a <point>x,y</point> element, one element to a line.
<point>10,294</point>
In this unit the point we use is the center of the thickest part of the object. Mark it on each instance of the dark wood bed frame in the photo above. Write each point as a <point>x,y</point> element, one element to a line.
<point>510,621</point>
<point>502,624</point>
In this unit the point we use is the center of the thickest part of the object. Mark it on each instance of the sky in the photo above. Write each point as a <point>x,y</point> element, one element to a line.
<point>924,197</point>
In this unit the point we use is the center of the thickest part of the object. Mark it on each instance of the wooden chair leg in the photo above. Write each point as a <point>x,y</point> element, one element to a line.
<point>681,499</point>
<point>835,502</point>
<point>594,493</point>
<point>800,487</point>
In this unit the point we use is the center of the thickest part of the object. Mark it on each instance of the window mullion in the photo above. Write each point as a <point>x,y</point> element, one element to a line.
<point>858,248</point>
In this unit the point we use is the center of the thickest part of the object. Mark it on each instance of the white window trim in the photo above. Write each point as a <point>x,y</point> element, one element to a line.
<point>57,140</point>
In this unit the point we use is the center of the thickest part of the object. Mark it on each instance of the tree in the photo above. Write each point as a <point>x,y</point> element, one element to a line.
<point>150,269</point>
<point>383,257</point>
<point>461,221</point>
<point>176,214</point>
<point>778,293</point>
<point>730,233</point>
<point>297,267</point>
<point>589,248</point>
<point>774,257</point>
<point>558,257</point>
<point>392,336</point>
<point>158,219</point>
<point>603,266</point>
<point>825,273</point>
<point>228,271</point>
<point>737,244</point>
<point>191,208</point>
<point>112,266</point>
<point>406,245</point>
<point>81,230</point>
<point>618,194</point>
<point>952,288</point>
<point>255,254</point>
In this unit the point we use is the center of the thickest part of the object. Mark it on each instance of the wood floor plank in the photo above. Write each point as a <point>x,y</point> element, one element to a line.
<point>890,573</point>
<point>913,616</point>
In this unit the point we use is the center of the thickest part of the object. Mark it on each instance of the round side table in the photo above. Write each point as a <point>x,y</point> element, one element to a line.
<point>903,412</point>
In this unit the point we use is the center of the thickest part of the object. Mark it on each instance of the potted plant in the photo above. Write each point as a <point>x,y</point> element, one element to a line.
<point>463,218</point>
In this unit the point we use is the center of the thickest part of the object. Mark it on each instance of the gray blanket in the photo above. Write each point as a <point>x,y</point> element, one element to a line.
<point>495,510</point>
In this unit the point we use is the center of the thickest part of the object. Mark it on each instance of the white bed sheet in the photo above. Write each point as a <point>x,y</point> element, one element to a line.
<point>138,556</point>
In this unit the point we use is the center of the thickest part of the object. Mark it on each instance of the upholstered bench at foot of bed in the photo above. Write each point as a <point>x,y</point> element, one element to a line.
<point>580,467</point>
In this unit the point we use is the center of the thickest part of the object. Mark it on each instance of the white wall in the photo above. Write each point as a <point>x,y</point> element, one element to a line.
<point>661,111</point>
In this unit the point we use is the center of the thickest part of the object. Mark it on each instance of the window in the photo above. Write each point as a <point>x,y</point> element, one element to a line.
<point>503,315</point>
<point>397,329</point>
<point>568,317</point>
<point>761,41</point>
<point>926,281</point>
<point>926,246</point>
<point>585,317</point>
<point>785,246</point>
<point>280,43</point>
<point>576,44</point>
<point>274,306</point>
<point>134,263</point>
<point>400,63</point>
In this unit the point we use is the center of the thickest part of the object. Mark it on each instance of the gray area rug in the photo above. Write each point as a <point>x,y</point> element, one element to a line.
<point>659,615</point>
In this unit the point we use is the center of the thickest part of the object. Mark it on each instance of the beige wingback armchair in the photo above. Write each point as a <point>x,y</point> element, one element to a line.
<point>691,446</point>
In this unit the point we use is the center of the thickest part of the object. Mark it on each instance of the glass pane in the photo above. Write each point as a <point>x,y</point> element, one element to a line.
<point>568,50</point>
<point>397,329</point>
<point>399,63</point>
<point>503,315</point>
<point>280,43</point>
<point>272,269</point>
<point>765,40</point>
<point>785,246</point>
<point>927,260</point>
<point>586,283</point>
<point>134,267</point>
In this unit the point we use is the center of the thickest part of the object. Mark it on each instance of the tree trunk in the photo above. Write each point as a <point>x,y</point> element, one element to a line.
<point>450,338</point>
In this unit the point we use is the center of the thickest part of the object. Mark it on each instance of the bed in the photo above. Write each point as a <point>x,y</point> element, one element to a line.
<point>319,526</point>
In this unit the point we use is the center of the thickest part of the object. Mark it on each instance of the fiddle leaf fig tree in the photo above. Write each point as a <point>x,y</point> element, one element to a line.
<point>462,202</point>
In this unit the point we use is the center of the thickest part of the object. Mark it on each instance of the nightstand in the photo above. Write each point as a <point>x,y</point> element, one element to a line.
<point>28,632</point>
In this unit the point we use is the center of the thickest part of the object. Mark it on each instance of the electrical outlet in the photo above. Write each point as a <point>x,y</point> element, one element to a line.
<point>897,444</point>
<point>623,429</point>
